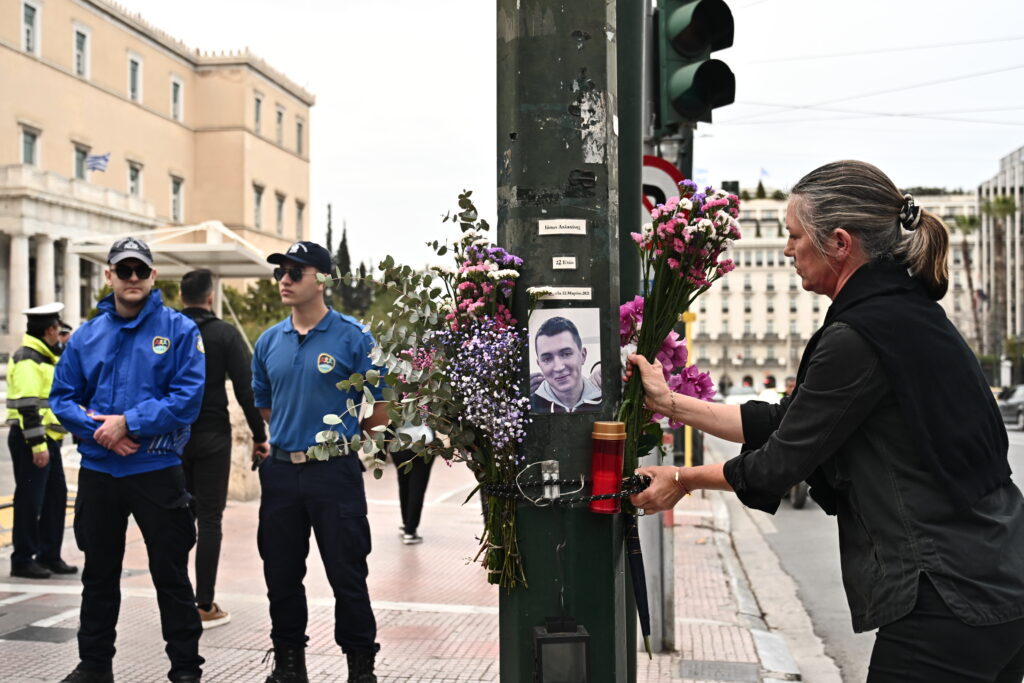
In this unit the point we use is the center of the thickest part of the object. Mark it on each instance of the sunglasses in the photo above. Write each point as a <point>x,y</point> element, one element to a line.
<point>125,271</point>
<point>294,273</point>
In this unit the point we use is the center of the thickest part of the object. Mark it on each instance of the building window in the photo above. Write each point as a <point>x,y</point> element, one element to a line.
<point>815,305</point>
<point>81,154</point>
<point>792,282</point>
<point>746,305</point>
<point>747,283</point>
<point>300,219</point>
<point>279,126</point>
<point>725,306</point>
<point>81,51</point>
<point>770,329</point>
<point>298,137</point>
<point>792,327</point>
<point>177,98</point>
<point>792,304</point>
<point>760,258</point>
<point>30,147</point>
<point>257,116</point>
<point>279,213</point>
<point>134,179</point>
<point>702,305</point>
<point>31,26</point>
<point>257,206</point>
<point>746,327</point>
<point>771,304</point>
<point>135,78</point>
<point>177,200</point>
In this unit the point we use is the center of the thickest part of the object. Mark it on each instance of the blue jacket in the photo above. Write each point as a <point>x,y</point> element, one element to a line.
<point>150,369</point>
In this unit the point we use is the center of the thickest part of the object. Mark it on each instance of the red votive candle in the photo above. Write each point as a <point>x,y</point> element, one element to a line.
<point>608,441</point>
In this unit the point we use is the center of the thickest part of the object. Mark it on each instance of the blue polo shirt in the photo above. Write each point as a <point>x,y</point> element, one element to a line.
<point>298,381</point>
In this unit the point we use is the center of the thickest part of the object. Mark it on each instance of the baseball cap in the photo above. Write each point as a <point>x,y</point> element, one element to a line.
<point>130,247</point>
<point>308,253</point>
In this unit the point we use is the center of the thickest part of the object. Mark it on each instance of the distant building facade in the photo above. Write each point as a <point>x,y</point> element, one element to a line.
<point>185,136</point>
<point>1008,182</point>
<point>754,323</point>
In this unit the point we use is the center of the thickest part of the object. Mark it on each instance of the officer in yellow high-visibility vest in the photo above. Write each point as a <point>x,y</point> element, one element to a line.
<point>34,440</point>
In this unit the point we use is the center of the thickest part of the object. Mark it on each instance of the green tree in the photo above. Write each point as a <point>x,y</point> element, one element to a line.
<point>998,209</point>
<point>967,225</point>
<point>779,194</point>
<point>760,193</point>
<point>258,308</point>
<point>745,195</point>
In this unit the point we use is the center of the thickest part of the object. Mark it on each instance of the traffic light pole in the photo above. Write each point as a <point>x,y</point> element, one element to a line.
<point>558,197</point>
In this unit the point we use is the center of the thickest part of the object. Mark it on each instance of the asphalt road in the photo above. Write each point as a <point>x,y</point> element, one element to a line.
<point>807,544</point>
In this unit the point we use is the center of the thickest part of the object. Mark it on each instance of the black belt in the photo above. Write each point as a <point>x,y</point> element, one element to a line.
<point>294,457</point>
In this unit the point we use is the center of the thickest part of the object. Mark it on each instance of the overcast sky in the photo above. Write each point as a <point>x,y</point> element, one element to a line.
<point>405,108</point>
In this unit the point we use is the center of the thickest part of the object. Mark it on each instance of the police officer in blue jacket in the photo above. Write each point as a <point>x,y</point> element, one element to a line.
<point>129,384</point>
<point>295,369</point>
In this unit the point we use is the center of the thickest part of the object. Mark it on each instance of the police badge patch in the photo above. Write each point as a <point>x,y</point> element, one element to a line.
<point>325,363</point>
<point>199,344</point>
<point>161,345</point>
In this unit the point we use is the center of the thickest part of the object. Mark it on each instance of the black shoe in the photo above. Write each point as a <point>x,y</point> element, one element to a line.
<point>360,667</point>
<point>186,678</point>
<point>58,566</point>
<point>289,665</point>
<point>80,675</point>
<point>32,570</point>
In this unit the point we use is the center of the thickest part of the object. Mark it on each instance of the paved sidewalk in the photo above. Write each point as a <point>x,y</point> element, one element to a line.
<point>437,616</point>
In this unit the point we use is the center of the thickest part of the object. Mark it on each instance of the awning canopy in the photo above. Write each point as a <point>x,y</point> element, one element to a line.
<point>178,250</point>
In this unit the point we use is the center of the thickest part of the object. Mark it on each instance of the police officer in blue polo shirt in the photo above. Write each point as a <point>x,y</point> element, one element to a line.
<point>295,369</point>
<point>129,385</point>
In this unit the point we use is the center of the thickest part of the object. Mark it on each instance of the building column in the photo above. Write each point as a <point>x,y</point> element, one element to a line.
<point>72,287</point>
<point>46,290</point>
<point>19,299</point>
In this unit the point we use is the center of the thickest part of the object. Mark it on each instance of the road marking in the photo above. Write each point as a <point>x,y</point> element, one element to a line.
<point>33,590</point>
<point>56,618</point>
<point>17,598</point>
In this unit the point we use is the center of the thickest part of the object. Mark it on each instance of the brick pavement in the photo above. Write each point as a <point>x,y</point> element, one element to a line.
<point>437,616</point>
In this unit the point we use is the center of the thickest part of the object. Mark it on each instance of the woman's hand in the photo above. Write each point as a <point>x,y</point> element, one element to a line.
<point>664,492</point>
<point>657,395</point>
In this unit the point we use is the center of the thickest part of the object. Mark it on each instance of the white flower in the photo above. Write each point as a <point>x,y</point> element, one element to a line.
<point>625,351</point>
<point>507,274</point>
<point>685,204</point>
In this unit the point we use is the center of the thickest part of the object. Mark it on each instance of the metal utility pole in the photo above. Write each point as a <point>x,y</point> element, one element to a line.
<point>558,208</point>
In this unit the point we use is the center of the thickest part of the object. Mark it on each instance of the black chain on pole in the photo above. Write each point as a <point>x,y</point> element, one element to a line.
<point>630,486</point>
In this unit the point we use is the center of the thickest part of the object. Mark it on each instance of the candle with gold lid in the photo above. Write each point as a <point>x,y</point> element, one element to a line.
<point>608,440</point>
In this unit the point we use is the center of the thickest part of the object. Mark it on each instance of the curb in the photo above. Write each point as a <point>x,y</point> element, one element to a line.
<point>773,594</point>
<point>777,663</point>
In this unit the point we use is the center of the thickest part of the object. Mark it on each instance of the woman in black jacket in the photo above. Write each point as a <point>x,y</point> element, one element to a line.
<point>894,427</point>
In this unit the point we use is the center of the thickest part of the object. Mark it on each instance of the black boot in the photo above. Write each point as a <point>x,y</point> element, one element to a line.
<point>360,667</point>
<point>80,675</point>
<point>289,665</point>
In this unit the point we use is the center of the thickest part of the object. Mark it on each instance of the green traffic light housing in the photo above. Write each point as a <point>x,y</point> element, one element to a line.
<point>691,83</point>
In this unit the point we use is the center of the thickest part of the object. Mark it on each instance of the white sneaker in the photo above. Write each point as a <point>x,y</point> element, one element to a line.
<point>411,539</point>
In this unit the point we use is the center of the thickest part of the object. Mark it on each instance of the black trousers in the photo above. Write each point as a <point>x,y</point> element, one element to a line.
<point>412,487</point>
<point>207,465</point>
<point>159,503</point>
<point>931,645</point>
<point>40,502</point>
<point>327,497</point>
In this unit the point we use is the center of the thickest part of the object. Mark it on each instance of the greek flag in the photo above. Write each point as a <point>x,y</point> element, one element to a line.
<point>97,162</point>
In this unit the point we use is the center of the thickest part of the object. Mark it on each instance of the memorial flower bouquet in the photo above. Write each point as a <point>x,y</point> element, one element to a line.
<point>452,353</point>
<point>680,257</point>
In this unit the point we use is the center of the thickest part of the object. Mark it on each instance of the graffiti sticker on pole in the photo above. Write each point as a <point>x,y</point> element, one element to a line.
<point>660,181</point>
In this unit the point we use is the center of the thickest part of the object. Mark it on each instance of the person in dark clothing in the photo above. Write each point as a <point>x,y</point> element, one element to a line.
<point>412,482</point>
<point>207,456</point>
<point>34,440</point>
<point>129,385</point>
<point>893,426</point>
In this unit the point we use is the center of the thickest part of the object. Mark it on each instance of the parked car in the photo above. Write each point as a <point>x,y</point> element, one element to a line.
<point>1011,405</point>
<point>740,395</point>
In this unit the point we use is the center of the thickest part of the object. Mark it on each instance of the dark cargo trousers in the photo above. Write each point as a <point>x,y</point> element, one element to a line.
<point>327,497</point>
<point>40,502</point>
<point>159,503</point>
